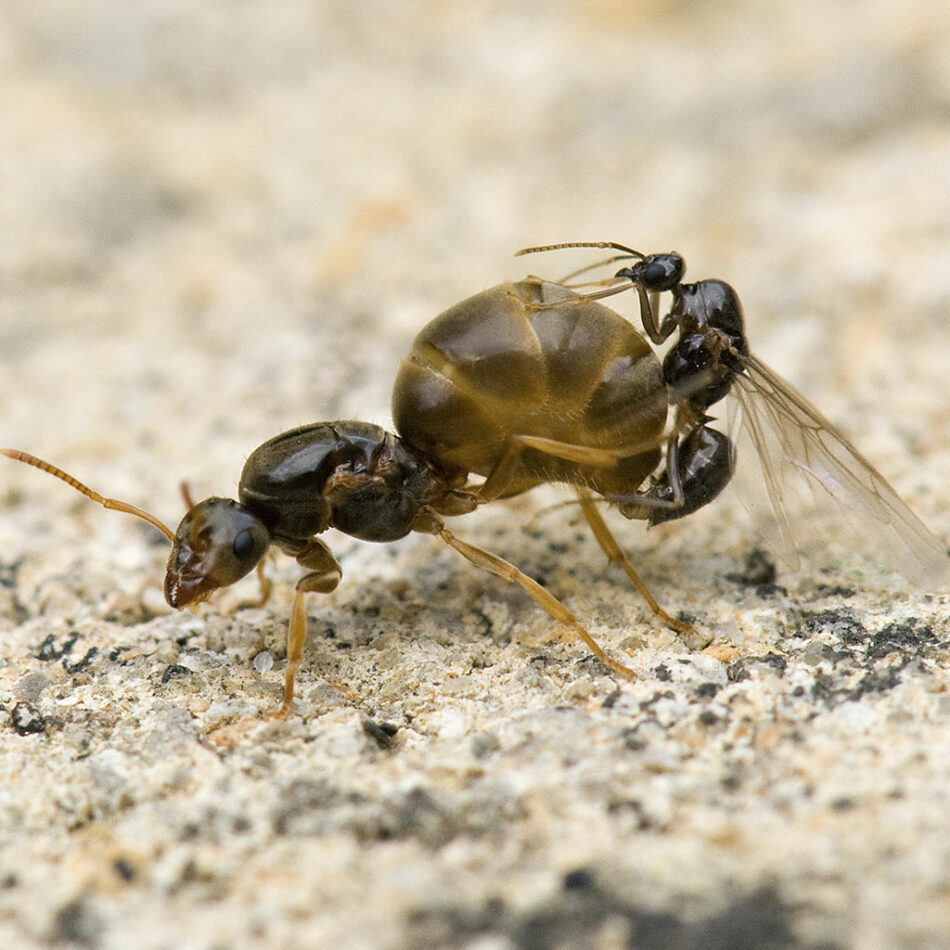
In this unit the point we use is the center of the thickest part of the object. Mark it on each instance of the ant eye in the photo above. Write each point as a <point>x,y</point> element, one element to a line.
<point>243,544</point>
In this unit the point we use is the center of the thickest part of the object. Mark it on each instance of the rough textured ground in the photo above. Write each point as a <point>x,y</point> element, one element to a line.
<point>223,220</point>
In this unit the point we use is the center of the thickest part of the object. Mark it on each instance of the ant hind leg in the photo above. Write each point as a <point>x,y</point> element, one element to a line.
<point>502,477</point>
<point>616,556</point>
<point>505,569</point>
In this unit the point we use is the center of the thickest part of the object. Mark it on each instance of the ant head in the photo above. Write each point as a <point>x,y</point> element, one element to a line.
<point>217,543</point>
<point>656,272</point>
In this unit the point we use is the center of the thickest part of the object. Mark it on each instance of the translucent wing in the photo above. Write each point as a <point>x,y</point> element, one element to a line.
<point>791,436</point>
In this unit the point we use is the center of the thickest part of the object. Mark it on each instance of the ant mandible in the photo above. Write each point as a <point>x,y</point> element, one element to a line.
<point>522,384</point>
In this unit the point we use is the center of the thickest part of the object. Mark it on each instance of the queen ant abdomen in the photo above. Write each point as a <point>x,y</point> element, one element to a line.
<point>522,384</point>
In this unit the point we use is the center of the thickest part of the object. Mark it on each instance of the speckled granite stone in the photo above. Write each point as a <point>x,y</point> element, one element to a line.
<point>221,222</point>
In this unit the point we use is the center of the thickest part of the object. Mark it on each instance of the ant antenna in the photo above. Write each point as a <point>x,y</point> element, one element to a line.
<point>607,245</point>
<point>111,503</point>
<point>185,490</point>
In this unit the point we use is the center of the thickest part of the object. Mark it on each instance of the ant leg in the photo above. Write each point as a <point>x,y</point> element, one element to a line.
<point>265,590</point>
<point>697,470</point>
<point>618,288</point>
<point>637,504</point>
<point>266,586</point>
<point>586,454</point>
<point>507,570</point>
<point>616,556</point>
<point>324,578</point>
<point>610,286</point>
<point>649,305</point>
<point>185,490</point>
<point>501,475</point>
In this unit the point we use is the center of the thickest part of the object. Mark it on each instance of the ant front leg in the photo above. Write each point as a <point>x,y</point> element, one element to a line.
<point>324,576</point>
<point>265,585</point>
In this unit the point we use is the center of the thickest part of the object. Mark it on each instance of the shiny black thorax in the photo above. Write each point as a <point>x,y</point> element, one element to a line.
<point>353,476</point>
<point>711,343</point>
<point>702,365</point>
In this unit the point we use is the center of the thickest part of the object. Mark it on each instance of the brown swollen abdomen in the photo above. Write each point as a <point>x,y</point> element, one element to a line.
<point>493,366</point>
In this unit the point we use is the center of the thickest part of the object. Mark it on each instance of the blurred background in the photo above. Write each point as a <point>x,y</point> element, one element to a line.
<point>225,219</point>
<point>218,221</point>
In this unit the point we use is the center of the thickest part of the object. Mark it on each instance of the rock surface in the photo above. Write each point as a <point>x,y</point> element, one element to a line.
<point>221,222</point>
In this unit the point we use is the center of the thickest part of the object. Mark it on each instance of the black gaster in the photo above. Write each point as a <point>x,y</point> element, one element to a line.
<point>706,463</point>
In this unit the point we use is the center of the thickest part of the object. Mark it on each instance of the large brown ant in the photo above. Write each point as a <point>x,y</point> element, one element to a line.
<point>522,384</point>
